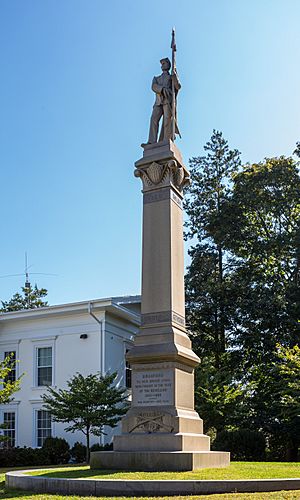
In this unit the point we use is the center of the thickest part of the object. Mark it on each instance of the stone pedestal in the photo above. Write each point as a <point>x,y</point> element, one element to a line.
<point>162,431</point>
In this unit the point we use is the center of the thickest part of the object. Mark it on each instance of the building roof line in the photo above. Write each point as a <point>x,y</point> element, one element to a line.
<point>115,305</point>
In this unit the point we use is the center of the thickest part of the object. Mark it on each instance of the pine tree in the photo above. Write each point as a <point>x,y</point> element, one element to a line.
<point>30,298</point>
<point>210,293</point>
<point>208,284</point>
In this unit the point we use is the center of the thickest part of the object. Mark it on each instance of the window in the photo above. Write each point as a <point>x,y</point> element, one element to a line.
<point>11,377</point>
<point>9,429</point>
<point>127,373</point>
<point>43,426</point>
<point>43,358</point>
<point>44,366</point>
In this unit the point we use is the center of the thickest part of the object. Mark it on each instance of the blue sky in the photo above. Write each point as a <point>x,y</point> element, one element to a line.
<point>75,105</point>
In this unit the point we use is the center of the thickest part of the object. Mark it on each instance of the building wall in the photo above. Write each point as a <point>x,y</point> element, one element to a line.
<point>71,354</point>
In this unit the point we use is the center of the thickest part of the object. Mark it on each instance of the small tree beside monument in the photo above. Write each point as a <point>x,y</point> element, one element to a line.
<point>87,405</point>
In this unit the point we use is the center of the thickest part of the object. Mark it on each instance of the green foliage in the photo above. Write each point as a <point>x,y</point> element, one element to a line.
<point>243,444</point>
<point>23,457</point>
<point>100,447</point>
<point>220,400</point>
<point>30,298</point>
<point>88,404</point>
<point>208,285</point>
<point>273,405</point>
<point>288,381</point>
<point>78,452</point>
<point>211,293</point>
<point>54,451</point>
<point>57,449</point>
<point>263,230</point>
<point>211,178</point>
<point>9,387</point>
<point>284,389</point>
<point>243,289</point>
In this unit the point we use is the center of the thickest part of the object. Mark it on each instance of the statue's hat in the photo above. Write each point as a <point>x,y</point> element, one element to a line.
<point>165,59</point>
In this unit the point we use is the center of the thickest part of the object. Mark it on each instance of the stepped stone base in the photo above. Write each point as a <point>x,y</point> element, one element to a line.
<point>162,442</point>
<point>158,460</point>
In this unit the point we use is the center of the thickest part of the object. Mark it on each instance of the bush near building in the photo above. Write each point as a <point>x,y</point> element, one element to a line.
<point>55,451</point>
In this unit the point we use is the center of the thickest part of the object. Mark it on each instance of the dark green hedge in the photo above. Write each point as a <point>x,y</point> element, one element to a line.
<point>55,451</point>
<point>243,444</point>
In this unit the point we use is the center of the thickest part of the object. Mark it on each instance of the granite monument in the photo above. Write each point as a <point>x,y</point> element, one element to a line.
<point>161,430</point>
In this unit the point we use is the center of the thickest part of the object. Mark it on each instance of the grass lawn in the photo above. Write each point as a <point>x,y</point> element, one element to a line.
<point>237,470</point>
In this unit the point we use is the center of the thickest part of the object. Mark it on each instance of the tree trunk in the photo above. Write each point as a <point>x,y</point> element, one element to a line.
<point>87,445</point>
<point>217,345</point>
<point>291,452</point>
<point>221,319</point>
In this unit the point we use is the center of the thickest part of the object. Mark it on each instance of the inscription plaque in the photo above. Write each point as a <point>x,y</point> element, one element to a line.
<point>152,388</point>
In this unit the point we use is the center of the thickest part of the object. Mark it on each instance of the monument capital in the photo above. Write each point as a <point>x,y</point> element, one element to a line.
<point>162,166</point>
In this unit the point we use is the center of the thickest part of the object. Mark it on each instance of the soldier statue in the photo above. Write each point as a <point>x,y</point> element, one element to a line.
<point>166,87</point>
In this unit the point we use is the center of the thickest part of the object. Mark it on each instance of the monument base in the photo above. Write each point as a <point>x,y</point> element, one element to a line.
<point>158,460</point>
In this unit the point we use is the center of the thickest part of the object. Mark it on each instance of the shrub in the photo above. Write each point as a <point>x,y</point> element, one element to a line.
<point>19,457</point>
<point>100,447</point>
<point>243,444</point>
<point>57,449</point>
<point>78,452</point>
<point>276,450</point>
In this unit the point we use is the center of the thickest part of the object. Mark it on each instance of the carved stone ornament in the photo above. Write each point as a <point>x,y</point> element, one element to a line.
<point>151,424</point>
<point>155,173</point>
<point>159,175</point>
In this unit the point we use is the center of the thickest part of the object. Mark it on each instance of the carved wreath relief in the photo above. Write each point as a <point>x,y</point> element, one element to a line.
<point>163,174</point>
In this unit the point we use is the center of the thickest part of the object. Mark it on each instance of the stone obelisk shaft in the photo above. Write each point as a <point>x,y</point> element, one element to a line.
<point>162,335</point>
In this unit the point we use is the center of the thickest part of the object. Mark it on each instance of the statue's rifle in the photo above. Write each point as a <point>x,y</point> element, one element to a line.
<point>174,124</point>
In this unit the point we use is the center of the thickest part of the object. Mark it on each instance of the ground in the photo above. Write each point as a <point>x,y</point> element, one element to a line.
<point>237,470</point>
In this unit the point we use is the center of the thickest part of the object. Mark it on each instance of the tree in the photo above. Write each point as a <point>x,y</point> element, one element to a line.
<point>219,398</point>
<point>210,295</point>
<point>9,384</point>
<point>30,298</point>
<point>88,404</point>
<point>249,296</point>
<point>263,231</point>
<point>287,379</point>
<point>288,369</point>
<point>275,402</point>
<point>207,280</point>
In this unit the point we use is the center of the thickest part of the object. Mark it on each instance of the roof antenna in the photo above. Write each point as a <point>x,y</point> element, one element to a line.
<point>27,282</point>
<point>27,285</point>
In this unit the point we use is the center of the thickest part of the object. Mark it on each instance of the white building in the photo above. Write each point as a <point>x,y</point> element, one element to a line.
<point>52,344</point>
